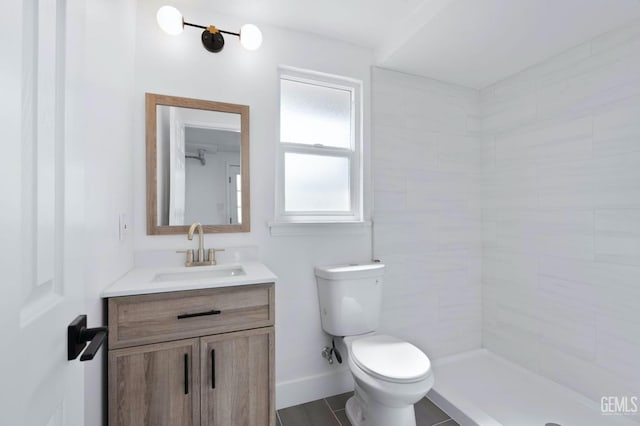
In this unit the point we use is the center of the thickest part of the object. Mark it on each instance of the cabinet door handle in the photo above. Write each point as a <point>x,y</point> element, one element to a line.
<point>213,368</point>
<point>186,374</point>
<point>200,314</point>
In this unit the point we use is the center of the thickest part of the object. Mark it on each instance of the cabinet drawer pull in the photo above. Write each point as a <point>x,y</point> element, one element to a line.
<point>200,314</point>
<point>186,374</point>
<point>213,368</point>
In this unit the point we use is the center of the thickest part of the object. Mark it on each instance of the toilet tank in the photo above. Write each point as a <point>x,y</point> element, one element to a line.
<point>350,298</point>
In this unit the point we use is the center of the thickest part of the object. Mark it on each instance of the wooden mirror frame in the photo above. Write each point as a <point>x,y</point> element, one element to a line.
<point>152,100</point>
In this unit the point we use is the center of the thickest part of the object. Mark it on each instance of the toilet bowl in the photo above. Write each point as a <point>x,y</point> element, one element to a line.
<point>390,376</point>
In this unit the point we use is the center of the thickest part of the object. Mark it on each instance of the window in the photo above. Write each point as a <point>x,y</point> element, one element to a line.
<point>320,149</point>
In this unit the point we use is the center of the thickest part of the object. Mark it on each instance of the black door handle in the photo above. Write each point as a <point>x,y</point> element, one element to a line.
<point>186,374</point>
<point>97,340</point>
<point>200,314</point>
<point>78,335</point>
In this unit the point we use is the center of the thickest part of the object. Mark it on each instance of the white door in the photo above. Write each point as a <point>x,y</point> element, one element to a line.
<point>42,211</point>
<point>234,194</point>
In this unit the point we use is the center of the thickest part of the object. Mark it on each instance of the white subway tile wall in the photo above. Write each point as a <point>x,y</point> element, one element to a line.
<point>560,153</point>
<point>427,219</point>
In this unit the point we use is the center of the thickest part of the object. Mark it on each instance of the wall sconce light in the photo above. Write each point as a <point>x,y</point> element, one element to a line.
<point>171,21</point>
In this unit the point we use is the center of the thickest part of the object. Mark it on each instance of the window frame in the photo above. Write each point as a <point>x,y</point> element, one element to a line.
<point>354,154</point>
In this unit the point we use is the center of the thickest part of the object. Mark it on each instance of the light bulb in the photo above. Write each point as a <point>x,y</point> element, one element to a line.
<point>170,20</point>
<point>250,37</point>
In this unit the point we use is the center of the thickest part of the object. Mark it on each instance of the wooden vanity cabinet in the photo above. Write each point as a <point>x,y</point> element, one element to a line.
<point>236,378</point>
<point>155,384</point>
<point>214,368</point>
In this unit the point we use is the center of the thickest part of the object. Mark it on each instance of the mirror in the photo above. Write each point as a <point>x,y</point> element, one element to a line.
<point>197,165</point>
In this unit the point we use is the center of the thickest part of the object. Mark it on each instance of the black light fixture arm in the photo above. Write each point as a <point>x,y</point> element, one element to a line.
<point>230,33</point>
<point>212,38</point>
<point>206,28</point>
<point>194,25</point>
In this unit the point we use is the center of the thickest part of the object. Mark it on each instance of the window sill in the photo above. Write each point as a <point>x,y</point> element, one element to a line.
<point>319,228</point>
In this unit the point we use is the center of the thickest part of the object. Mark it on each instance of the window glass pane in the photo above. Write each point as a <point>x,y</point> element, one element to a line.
<point>312,114</point>
<point>315,183</point>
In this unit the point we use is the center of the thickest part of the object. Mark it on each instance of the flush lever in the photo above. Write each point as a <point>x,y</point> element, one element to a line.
<point>78,335</point>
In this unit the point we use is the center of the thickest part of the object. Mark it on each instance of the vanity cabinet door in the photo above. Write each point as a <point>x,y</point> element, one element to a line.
<point>237,378</point>
<point>155,385</point>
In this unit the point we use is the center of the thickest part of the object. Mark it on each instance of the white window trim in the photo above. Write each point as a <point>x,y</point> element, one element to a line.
<point>355,155</point>
<point>319,228</point>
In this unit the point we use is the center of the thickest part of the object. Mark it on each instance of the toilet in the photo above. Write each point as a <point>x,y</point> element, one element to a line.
<point>390,374</point>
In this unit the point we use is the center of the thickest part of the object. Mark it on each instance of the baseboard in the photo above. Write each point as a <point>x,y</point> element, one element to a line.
<point>298,391</point>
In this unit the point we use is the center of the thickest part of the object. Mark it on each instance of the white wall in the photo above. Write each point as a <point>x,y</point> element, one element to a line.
<point>426,167</point>
<point>108,124</point>
<point>181,66</point>
<point>561,215</point>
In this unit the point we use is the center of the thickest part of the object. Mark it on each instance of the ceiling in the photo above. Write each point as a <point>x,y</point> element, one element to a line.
<point>211,140</point>
<point>473,43</point>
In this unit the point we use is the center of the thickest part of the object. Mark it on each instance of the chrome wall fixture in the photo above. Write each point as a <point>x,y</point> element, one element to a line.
<point>172,22</point>
<point>200,157</point>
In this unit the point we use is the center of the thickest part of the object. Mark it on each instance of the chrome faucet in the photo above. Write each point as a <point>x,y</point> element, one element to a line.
<point>192,228</point>
<point>200,259</point>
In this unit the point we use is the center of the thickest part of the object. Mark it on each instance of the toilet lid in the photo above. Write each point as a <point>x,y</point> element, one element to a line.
<point>391,359</point>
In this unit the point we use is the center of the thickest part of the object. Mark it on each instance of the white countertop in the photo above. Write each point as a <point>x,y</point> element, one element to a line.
<point>141,280</point>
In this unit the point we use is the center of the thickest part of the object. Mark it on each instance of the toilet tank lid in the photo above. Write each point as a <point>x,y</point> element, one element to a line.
<point>352,271</point>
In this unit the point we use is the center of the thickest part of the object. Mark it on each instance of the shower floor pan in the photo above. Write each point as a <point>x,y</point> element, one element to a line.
<point>481,388</point>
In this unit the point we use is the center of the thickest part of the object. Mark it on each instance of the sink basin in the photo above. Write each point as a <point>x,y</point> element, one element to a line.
<point>218,272</point>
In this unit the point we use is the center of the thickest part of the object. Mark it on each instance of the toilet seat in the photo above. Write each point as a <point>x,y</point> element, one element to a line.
<point>390,359</point>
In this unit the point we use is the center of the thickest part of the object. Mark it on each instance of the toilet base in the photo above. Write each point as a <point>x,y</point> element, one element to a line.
<point>372,413</point>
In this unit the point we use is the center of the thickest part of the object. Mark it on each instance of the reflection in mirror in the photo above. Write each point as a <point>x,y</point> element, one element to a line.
<point>201,165</point>
<point>201,150</point>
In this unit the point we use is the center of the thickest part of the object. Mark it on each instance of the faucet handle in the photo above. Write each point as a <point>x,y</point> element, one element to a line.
<point>189,253</point>
<point>212,255</point>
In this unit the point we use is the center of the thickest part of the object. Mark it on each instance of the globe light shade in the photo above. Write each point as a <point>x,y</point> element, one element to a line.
<point>170,20</point>
<point>250,37</point>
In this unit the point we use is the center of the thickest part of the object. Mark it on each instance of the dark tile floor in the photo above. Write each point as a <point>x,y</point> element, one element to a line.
<point>330,412</point>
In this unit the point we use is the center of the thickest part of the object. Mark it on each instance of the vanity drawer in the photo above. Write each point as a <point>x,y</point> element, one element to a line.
<point>160,317</point>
